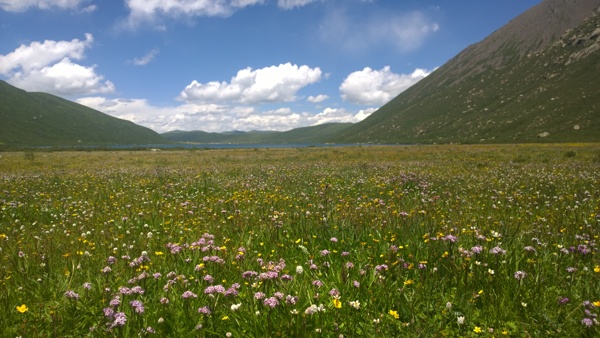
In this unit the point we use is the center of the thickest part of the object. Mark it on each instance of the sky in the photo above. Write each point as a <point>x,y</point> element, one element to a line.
<point>223,65</point>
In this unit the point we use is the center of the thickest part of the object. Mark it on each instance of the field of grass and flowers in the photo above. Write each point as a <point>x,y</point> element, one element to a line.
<point>426,241</point>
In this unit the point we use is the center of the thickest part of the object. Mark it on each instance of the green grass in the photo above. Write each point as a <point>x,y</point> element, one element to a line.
<point>352,242</point>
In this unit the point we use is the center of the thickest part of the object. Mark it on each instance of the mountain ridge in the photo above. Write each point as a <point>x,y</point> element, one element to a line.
<point>468,99</point>
<point>42,119</point>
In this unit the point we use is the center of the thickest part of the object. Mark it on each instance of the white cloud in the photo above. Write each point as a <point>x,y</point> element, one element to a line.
<point>269,84</point>
<point>63,78</point>
<point>144,60</point>
<point>41,54</point>
<point>339,115</point>
<point>377,87</point>
<point>47,66</point>
<point>148,11</point>
<point>290,4</point>
<point>317,99</point>
<point>23,5</point>
<point>405,32</point>
<point>216,118</point>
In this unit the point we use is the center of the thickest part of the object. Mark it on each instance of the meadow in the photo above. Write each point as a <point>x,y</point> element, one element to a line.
<point>390,241</point>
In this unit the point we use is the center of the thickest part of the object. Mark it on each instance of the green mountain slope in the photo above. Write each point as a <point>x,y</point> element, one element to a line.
<point>313,134</point>
<point>40,119</point>
<point>537,79</point>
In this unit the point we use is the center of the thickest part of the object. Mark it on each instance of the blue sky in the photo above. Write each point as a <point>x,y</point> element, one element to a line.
<point>220,65</point>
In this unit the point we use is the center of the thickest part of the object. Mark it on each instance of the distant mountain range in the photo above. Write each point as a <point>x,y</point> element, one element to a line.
<point>40,119</point>
<point>314,134</point>
<point>537,79</point>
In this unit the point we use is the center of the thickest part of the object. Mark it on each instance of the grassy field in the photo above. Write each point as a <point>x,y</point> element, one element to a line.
<point>422,241</point>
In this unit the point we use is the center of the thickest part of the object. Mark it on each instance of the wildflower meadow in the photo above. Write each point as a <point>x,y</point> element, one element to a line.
<point>374,241</point>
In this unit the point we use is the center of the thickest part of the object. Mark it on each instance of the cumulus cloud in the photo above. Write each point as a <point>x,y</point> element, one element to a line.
<point>148,11</point>
<point>23,5</point>
<point>269,84</point>
<point>406,32</point>
<point>290,4</point>
<point>317,99</point>
<point>144,60</point>
<point>216,118</point>
<point>377,87</point>
<point>47,66</point>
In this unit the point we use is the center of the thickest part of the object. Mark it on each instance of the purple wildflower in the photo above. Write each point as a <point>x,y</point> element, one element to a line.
<point>189,294</point>
<point>497,251</point>
<point>476,249</point>
<point>317,283</point>
<point>249,274</point>
<point>563,300</point>
<point>137,290</point>
<point>120,319</point>
<point>205,310</point>
<point>587,322</point>
<point>108,312</point>
<point>232,291</point>
<point>137,305</point>
<point>259,295</point>
<point>268,275</point>
<point>271,302</point>
<point>291,300</point>
<point>450,238</point>
<point>70,294</point>
<point>124,290</point>
<point>115,302</point>
<point>519,275</point>
<point>381,267</point>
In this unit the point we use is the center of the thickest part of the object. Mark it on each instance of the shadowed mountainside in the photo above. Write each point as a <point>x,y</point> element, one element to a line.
<point>40,119</point>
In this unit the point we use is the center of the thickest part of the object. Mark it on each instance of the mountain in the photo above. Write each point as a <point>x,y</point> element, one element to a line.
<point>313,134</point>
<point>41,119</point>
<point>536,79</point>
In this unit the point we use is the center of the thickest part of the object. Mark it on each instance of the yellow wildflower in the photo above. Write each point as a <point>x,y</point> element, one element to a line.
<point>337,303</point>
<point>22,309</point>
<point>394,314</point>
<point>477,329</point>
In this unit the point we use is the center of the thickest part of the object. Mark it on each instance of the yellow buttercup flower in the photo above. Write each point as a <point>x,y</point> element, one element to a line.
<point>22,309</point>
<point>597,268</point>
<point>394,314</point>
<point>336,303</point>
<point>477,329</point>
